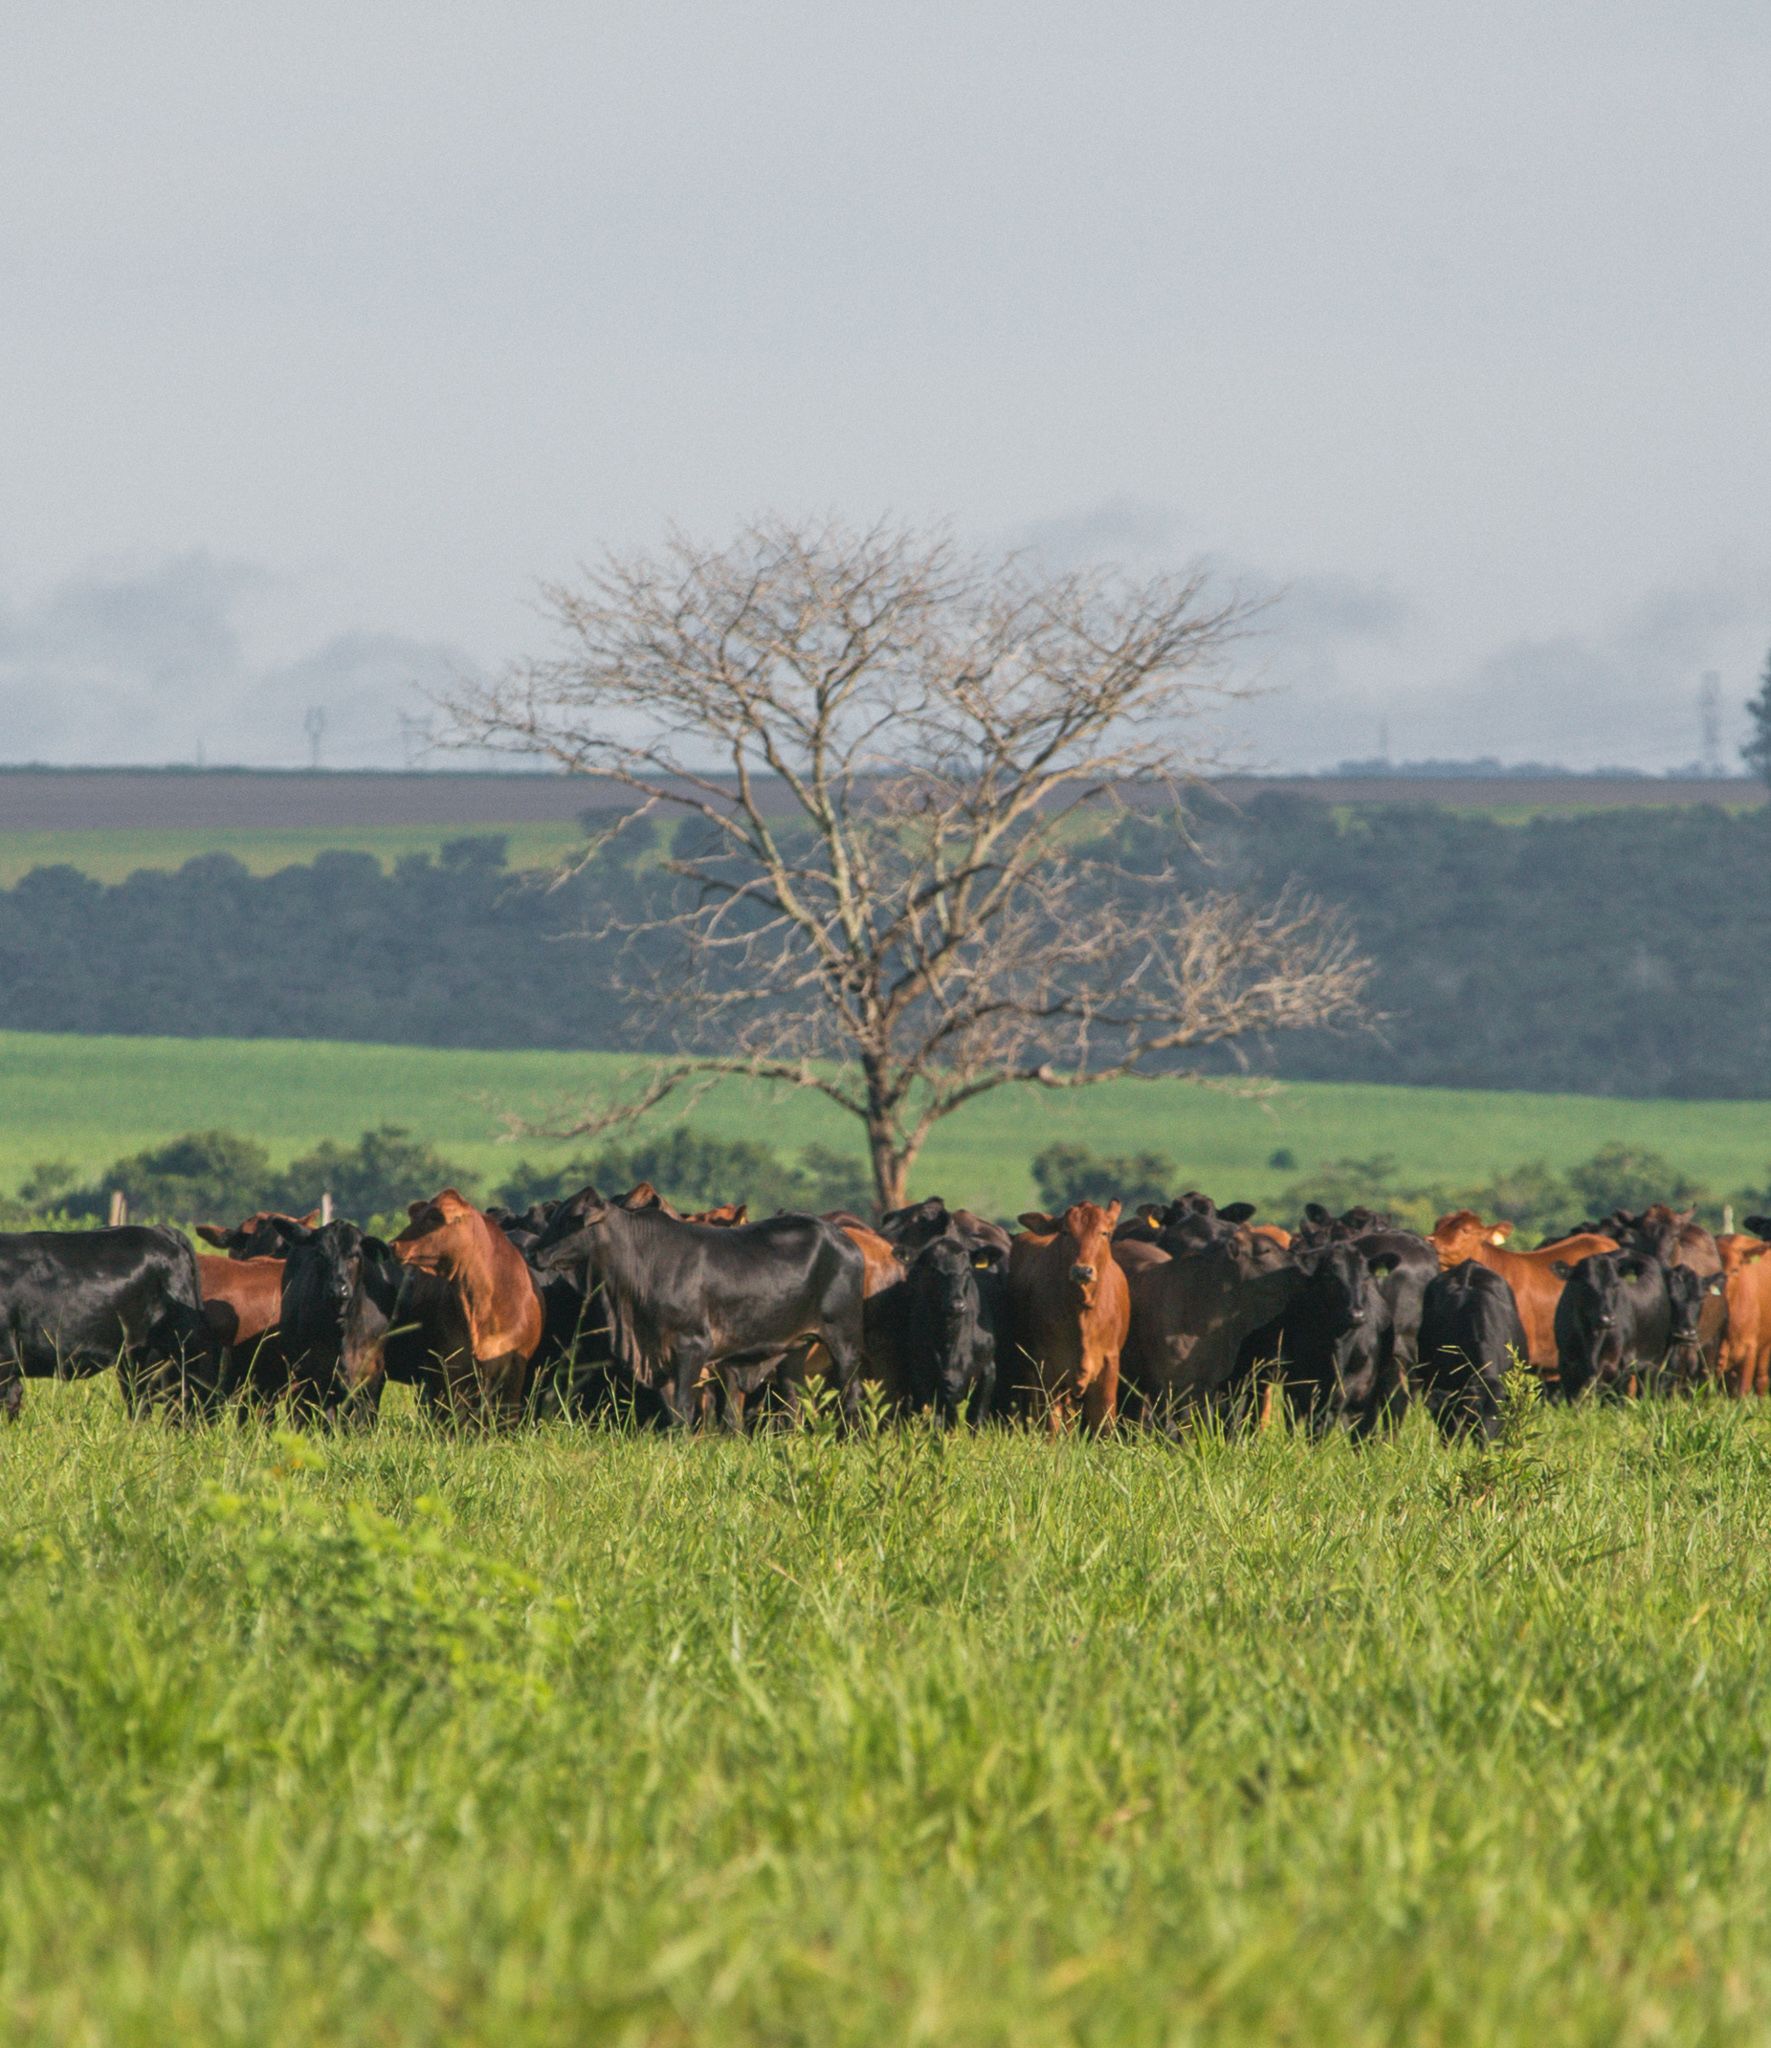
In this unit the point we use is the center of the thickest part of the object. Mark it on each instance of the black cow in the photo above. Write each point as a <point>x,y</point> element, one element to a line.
<point>1335,1342</point>
<point>907,1230</point>
<point>73,1303</point>
<point>1319,1226</point>
<point>950,1344</point>
<point>1189,1223</point>
<point>1617,1320</point>
<point>264,1236</point>
<point>1470,1335</point>
<point>686,1298</point>
<point>341,1294</point>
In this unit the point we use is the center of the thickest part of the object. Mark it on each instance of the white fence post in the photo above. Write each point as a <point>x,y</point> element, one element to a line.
<point>119,1208</point>
<point>326,1206</point>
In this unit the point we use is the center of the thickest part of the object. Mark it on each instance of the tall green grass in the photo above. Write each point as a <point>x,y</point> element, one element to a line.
<point>93,1100</point>
<point>567,1737</point>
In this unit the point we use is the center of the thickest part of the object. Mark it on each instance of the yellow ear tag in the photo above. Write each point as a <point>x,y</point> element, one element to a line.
<point>1497,1237</point>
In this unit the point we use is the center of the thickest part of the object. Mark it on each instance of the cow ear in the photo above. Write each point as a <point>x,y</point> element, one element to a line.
<point>1037,1221</point>
<point>1384,1265</point>
<point>741,1214</point>
<point>1150,1214</point>
<point>1111,1213</point>
<point>642,1196</point>
<point>1760,1226</point>
<point>416,1209</point>
<point>1237,1212</point>
<point>311,1219</point>
<point>1754,1252</point>
<point>376,1248</point>
<point>213,1233</point>
<point>1562,1269</point>
<point>1315,1213</point>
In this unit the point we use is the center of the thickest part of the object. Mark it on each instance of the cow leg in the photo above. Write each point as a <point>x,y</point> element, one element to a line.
<point>731,1407</point>
<point>681,1388</point>
<point>12,1396</point>
<point>983,1393</point>
<point>1100,1400</point>
<point>845,1376</point>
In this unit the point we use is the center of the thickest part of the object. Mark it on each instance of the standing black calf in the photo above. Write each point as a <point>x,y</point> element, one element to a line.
<point>951,1349</point>
<point>1335,1342</point>
<point>1470,1333</point>
<point>1625,1317</point>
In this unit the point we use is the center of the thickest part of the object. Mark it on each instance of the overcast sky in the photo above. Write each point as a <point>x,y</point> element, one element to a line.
<point>326,331</point>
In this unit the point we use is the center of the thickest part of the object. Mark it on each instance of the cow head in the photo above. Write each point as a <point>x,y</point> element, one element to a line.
<point>1463,1235</point>
<point>566,1244</point>
<point>919,1223</point>
<point>1088,1228</point>
<point>1738,1253</point>
<point>1688,1292</point>
<point>266,1235</point>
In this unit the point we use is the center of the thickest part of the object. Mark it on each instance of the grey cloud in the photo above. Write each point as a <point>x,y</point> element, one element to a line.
<point>153,664</point>
<point>1624,694</point>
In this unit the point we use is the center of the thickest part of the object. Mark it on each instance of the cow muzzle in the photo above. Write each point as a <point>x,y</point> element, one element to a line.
<point>1083,1275</point>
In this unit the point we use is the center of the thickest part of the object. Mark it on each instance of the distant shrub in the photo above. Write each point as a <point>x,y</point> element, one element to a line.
<point>377,1176</point>
<point>1071,1173</point>
<point>697,1172</point>
<point>220,1175</point>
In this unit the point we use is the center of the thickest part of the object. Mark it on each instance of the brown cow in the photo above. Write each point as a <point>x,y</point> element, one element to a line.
<point>723,1216</point>
<point>482,1324</point>
<point>1746,1347</point>
<point>1536,1285</point>
<point>1192,1316</point>
<point>242,1304</point>
<point>1070,1309</point>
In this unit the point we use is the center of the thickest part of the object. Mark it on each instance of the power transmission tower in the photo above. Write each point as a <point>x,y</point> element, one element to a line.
<point>314,725</point>
<point>415,736</point>
<point>1709,716</point>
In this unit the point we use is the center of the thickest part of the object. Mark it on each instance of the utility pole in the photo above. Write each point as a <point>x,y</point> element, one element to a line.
<point>415,737</point>
<point>1709,717</point>
<point>315,727</point>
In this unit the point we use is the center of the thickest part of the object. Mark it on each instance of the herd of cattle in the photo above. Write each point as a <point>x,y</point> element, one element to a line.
<point>625,1306</point>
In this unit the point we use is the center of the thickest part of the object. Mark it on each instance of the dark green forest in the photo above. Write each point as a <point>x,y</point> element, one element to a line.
<point>1619,952</point>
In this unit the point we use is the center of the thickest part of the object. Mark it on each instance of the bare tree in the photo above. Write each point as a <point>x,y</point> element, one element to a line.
<point>902,763</point>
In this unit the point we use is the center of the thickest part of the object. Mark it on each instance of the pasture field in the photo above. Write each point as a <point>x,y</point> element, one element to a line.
<point>570,1737</point>
<point>92,1100</point>
<point>113,855</point>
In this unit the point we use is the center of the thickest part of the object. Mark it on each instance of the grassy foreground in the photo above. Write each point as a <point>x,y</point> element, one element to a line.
<point>566,1737</point>
<point>93,1100</point>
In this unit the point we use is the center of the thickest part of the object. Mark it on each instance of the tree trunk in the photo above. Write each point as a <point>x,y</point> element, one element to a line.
<point>891,1169</point>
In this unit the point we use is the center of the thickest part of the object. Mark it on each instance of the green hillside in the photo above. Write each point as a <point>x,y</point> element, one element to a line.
<point>90,1100</point>
<point>111,856</point>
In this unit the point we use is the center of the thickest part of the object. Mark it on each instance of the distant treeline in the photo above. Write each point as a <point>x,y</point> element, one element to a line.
<point>1619,952</point>
<point>220,1175</point>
